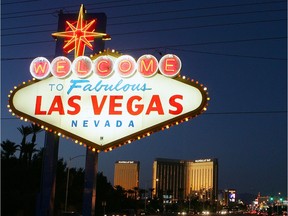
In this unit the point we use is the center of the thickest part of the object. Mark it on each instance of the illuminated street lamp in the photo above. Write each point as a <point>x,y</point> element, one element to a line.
<point>67,181</point>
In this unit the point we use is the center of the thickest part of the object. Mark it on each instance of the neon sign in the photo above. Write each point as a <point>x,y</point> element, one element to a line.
<point>80,35</point>
<point>104,66</point>
<point>108,99</point>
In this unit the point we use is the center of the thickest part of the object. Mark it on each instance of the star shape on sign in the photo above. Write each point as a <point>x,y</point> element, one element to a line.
<point>80,35</point>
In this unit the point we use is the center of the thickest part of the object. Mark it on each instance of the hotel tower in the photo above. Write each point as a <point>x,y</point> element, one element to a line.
<point>181,179</point>
<point>126,174</point>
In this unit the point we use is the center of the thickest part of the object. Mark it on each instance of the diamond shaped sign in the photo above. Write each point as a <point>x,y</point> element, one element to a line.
<point>105,109</point>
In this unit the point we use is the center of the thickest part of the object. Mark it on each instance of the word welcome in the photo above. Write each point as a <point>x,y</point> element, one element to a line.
<point>104,66</point>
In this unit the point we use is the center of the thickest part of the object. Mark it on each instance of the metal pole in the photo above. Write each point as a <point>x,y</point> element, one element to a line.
<point>45,203</point>
<point>89,194</point>
<point>91,165</point>
<point>145,202</point>
<point>67,180</point>
<point>67,186</point>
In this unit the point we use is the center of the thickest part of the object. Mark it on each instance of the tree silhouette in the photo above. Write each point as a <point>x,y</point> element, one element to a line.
<point>34,130</point>
<point>136,192</point>
<point>25,131</point>
<point>30,149</point>
<point>8,149</point>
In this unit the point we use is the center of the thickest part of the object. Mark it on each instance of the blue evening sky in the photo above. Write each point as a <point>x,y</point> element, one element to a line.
<point>237,48</point>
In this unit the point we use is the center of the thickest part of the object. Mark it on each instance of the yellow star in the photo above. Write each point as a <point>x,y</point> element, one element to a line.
<point>80,35</point>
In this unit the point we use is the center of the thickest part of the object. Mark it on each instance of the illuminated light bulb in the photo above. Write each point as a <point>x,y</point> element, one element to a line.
<point>183,77</point>
<point>167,126</point>
<point>186,119</point>
<point>110,149</point>
<point>13,114</point>
<point>148,134</point>
<point>9,96</point>
<point>129,141</point>
<point>138,137</point>
<point>46,128</point>
<point>42,126</point>
<point>59,134</point>
<point>205,88</point>
<point>98,151</point>
<point>197,82</point>
<point>24,83</point>
<point>208,98</point>
<point>25,119</point>
<point>113,50</point>
<point>106,37</point>
<point>84,145</point>
<point>204,108</point>
<point>11,91</point>
<point>15,87</point>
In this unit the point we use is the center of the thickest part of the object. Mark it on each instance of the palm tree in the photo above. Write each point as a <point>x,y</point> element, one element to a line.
<point>120,191</point>
<point>136,192</point>
<point>25,131</point>
<point>31,146</point>
<point>30,149</point>
<point>130,193</point>
<point>151,192</point>
<point>34,130</point>
<point>8,149</point>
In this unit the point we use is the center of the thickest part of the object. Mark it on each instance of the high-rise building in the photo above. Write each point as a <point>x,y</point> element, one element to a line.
<point>180,179</point>
<point>168,179</point>
<point>126,174</point>
<point>202,179</point>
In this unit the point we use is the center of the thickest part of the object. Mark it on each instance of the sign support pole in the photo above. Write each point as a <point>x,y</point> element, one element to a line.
<point>91,164</point>
<point>45,205</point>
<point>89,193</point>
<point>46,200</point>
<point>47,194</point>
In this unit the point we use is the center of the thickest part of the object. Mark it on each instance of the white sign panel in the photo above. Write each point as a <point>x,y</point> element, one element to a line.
<point>105,112</point>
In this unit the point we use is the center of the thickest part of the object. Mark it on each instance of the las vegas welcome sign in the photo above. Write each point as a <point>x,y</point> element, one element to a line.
<point>108,99</point>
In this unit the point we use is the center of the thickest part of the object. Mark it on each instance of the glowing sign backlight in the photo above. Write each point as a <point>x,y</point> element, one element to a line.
<point>106,100</point>
<point>107,103</point>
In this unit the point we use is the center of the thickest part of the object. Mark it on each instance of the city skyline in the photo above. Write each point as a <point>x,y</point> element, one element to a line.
<point>237,49</point>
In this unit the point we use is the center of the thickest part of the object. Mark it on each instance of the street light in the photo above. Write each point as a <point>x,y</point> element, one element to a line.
<point>67,181</point>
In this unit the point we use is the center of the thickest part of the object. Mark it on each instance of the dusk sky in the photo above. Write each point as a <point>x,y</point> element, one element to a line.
<point>236,48</point>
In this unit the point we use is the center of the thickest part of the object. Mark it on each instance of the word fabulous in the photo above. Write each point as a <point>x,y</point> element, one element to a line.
<point>104,65</point>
